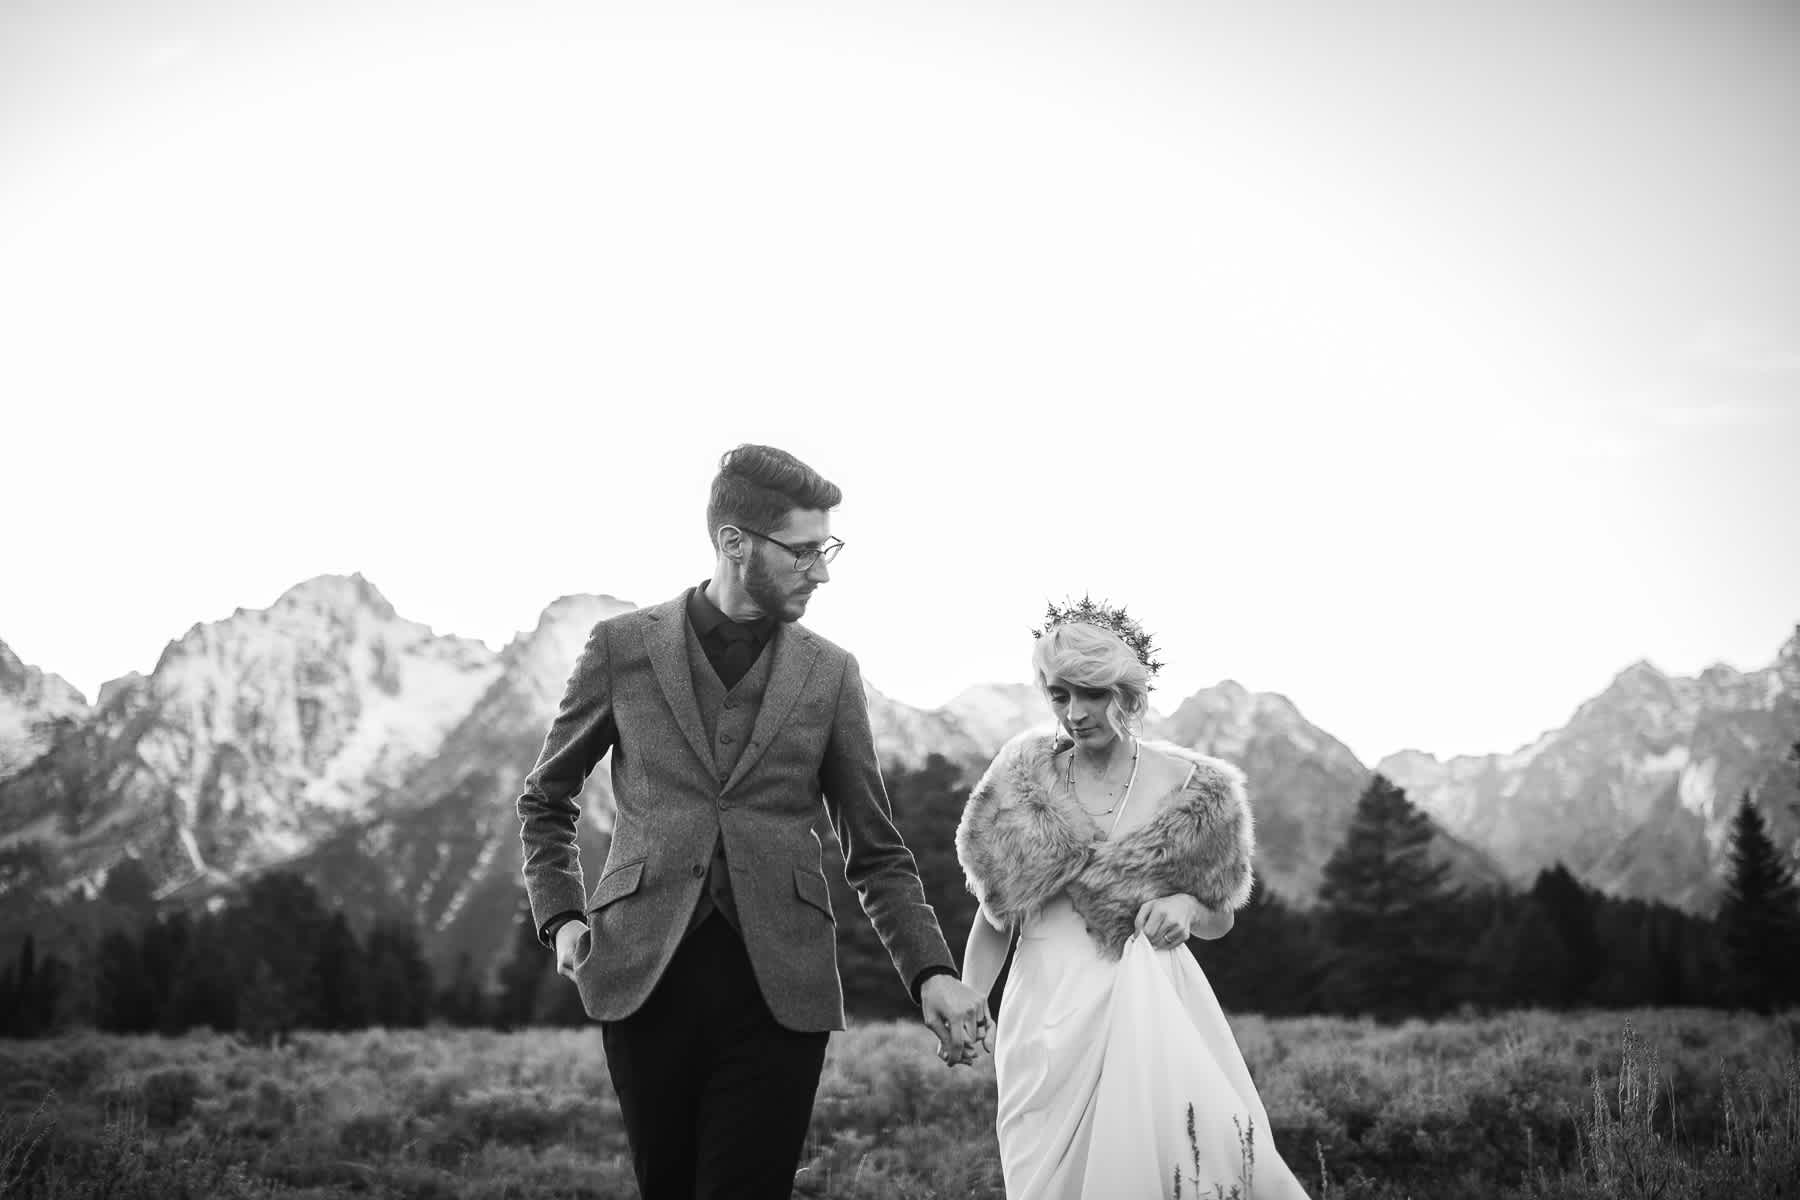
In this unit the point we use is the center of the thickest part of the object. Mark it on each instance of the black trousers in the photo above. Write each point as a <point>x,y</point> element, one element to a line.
<point>715,1094</point>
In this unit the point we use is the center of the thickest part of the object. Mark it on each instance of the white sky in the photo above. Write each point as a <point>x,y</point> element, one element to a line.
<point>1425,364</point>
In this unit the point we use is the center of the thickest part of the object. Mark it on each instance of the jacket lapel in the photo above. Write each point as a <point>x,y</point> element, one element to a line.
<point>794,650</point>
<point>666,642</point>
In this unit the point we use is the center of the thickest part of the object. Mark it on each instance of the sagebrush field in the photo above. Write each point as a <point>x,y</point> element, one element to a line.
<point>1663,1103</point>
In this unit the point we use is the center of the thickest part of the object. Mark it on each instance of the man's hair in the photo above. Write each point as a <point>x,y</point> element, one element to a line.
<point>759,486</point>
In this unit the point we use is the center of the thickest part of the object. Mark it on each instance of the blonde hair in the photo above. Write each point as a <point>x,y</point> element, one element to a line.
<point>1088,656</point>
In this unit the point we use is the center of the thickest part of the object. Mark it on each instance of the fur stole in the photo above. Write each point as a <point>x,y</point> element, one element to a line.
<point>1022,840</point>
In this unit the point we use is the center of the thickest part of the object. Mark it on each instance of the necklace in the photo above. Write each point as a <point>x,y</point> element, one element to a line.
<point>1073,751</point>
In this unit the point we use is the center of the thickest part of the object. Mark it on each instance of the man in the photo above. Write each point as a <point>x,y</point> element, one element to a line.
<point>707,950</point>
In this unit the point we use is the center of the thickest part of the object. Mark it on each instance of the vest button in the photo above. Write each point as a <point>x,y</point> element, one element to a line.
<point>725,739</point>
<point>731,704</point>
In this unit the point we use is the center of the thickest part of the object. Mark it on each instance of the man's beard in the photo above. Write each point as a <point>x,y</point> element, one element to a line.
<point>770,596</point>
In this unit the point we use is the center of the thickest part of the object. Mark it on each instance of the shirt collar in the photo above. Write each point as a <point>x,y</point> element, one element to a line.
<point>706,617</point>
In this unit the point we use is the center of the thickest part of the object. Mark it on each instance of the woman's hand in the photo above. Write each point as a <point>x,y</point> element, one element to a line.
<point>1169,921</point>
<point>1165,922</point>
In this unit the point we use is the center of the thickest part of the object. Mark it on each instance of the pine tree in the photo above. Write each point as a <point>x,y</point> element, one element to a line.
<point>207,988</point>
<point>29,992</point>
<point>558,1002</point>
<point>35,991</point>
<point>124,1003</point>
<point>25,981</point>
<point>281,921</point>
<point>1382,896</point>
<point>462,1002</point>
<point>523,974</point>
<point>266,1010</point>
<point>163,945</point>
<point>927,803</point>
<point>338,973</point>
<point>1569,910</point>
<point>1760,918</point>
<point>1521,959</point>
<point>1270,961</point>
<point>400,987</point>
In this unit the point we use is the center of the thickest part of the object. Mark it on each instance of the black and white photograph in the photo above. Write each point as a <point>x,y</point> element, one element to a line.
<point>909,600</point>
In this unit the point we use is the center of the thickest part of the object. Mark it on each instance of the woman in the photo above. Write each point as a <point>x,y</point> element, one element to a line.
<point>1104,853</point>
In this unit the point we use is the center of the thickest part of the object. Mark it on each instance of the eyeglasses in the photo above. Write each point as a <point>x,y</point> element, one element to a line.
<point>804,556</point>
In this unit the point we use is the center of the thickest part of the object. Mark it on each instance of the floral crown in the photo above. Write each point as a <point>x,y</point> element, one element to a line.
<point>1104,616</point>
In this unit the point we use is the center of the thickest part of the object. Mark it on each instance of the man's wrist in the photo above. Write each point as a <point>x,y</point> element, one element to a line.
<point>547,934</point>
<point>918,985</point>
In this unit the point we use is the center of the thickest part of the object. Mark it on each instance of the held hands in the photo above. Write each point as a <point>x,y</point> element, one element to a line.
<point>569,952</point>
<point>1168,922</point>
<point>959,1016</point>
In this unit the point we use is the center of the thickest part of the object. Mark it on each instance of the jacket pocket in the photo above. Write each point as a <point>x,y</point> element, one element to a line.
<point>812,888</point>
<point>616,884</point>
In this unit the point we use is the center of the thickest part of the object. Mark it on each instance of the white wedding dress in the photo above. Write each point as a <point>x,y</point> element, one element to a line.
<point>1098,1063</point>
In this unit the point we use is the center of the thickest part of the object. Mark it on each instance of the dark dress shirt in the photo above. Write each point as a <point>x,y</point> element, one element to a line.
<point>732,647</point>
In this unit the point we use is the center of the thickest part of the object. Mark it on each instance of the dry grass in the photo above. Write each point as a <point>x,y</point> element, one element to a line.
<point>1652,1105</point>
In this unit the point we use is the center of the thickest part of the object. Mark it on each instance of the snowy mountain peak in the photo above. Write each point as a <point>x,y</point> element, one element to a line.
<point>112,689</point>
<point>993,712</point>
<point>538,663</point>
<point>1633,794</point>
<point>581,606</point>
<point>1639,677</point>
<point>335,594</point>
<point>31,703</point>
<point>569,617</point>
<point>1409,762</point>
<point>1226,718</point>
<point>1232,691</point>
<point>1639,689</point>
<point>254,734</point>
<point>1787,661</point>
<point>21,681</point>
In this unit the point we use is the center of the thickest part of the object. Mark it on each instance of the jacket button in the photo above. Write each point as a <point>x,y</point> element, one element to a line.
<point>699,870</point>
<point>725,739</point>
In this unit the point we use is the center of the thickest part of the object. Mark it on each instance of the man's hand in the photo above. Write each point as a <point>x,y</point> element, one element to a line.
<point>959,1016</point>
<point>568,946</point>
<point>1169,921</point>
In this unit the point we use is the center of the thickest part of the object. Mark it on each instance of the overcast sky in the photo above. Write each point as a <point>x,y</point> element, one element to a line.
<point>1427,364</point>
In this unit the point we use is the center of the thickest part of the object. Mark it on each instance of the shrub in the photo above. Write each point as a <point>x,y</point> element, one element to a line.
<point>371,1135</point>
<point>169,1096</point>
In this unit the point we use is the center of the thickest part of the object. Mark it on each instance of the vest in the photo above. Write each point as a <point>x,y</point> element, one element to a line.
<point>729,718</point>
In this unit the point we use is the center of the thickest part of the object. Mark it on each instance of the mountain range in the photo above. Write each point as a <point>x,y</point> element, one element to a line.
<point>330,735</point>
<point>1635,795</point>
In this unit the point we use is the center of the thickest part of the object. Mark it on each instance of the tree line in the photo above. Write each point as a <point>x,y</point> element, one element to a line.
<point>1389,936</point>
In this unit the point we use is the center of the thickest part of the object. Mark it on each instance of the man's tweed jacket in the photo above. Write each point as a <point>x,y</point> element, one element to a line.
<point>631,693</point>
